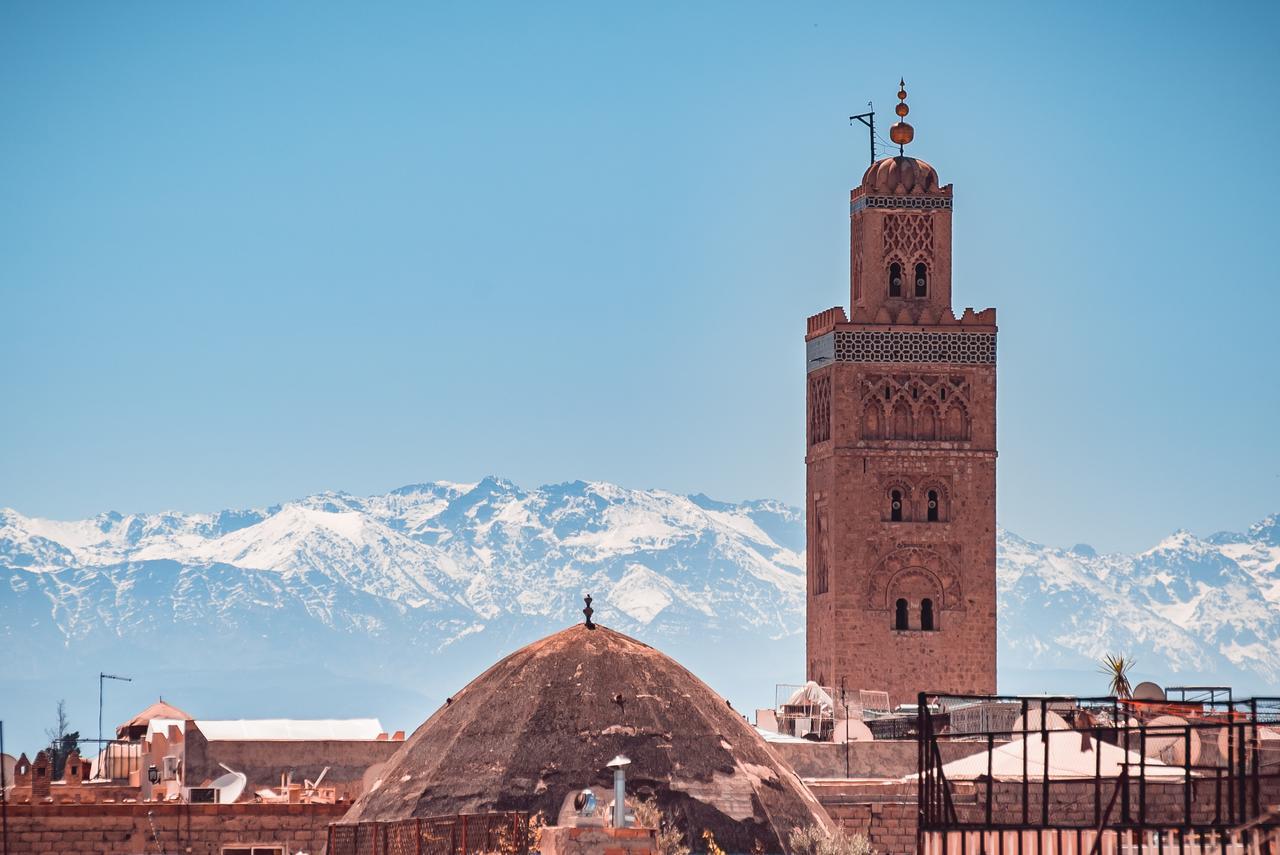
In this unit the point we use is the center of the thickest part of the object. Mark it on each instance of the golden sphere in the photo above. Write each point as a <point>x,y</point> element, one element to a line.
<point>902,94</point>
<point>902,109</point>
<point>901,133</point>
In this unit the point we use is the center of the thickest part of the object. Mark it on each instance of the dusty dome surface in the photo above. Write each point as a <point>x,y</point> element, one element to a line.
<point>543,722</point>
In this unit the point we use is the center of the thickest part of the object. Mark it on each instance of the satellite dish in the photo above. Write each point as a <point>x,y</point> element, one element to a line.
<point>852,730</point>
<point>229,786</point>
<point>1265,735</point>
<point>1052,721</point>
<point>1167,740</point>
<point>1148,691</point>
<point>585,803</point>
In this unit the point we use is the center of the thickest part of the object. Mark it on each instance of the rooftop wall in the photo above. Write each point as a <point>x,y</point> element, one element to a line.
<point>194,829</point>
<point>264,762</point>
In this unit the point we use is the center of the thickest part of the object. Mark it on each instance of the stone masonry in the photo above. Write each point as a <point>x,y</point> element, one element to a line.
<point>123,829</point>
<point>901,463</point>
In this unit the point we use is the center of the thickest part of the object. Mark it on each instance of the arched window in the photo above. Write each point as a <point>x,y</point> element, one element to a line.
<point>933,506</point>
<point>895,280</point>
<point>922,281</point>
<point>900,615</point>
<point>895,506</point>
<point>926,614</point>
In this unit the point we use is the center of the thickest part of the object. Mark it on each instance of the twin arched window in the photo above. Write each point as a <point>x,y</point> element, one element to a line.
<point>898,507</point>
<point>902,615</point>
<point>921,280</point>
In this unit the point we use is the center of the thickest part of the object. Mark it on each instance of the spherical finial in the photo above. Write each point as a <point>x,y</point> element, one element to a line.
<point>900,132</point>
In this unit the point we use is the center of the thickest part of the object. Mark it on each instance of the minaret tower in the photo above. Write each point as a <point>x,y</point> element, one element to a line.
<point>901,462</point>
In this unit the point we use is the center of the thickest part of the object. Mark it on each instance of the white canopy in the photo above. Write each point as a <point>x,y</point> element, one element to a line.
<point>1072,754</point>
<point>280,729</point>
<point>811,694</point>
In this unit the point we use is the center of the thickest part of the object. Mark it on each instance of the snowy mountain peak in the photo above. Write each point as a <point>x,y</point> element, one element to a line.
<point>399,584</point>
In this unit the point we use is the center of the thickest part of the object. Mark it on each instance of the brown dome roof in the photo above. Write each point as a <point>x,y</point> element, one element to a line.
<point>900,176</point>
<point>157,710</point>
<point>543,722</point>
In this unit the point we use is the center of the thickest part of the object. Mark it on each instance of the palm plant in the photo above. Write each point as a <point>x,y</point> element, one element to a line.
<point>1116,670</point>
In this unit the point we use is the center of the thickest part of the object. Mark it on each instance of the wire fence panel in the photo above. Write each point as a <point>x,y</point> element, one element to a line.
<point>463,834</point>
<point>1200,765</point>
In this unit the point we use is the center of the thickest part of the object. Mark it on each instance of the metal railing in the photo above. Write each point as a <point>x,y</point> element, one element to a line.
<point>1181,773</point>
<point>462,834</point>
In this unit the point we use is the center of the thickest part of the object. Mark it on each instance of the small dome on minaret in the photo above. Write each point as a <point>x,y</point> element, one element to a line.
<point>900,176</point>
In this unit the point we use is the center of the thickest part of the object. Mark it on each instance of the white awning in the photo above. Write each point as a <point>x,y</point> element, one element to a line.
<point>289,729</point>
<point>1072,754</point>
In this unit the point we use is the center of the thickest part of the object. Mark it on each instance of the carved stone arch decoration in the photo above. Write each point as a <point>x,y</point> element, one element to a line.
<point>938,486</point>
<point>900,421</point>
<point>912,573</point>
<point>873,419</point>
<point>908,237</point>
<point>904,490</point>
<point>955,420</point>
<point>928,419</point>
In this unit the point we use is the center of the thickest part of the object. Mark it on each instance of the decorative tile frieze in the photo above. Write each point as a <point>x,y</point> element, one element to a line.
<point>930,202</point>
<point>954,348</point>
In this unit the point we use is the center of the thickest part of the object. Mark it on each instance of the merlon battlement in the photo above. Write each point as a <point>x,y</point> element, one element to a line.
<point>905,315</point>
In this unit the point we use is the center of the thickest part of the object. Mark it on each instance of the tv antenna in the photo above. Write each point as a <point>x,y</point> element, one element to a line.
<point>869,119</point>
<point>102,676</point>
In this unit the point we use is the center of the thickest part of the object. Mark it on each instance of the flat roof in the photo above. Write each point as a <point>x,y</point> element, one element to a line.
<point>291,729</point>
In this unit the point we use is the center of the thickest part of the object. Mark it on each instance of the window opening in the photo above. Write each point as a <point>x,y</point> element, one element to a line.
<point>933,506</point>
<point>900,615</point>
<point>926,614</point>
<point>922,281</point>
<point>895,506</point>
<point>895,280</point>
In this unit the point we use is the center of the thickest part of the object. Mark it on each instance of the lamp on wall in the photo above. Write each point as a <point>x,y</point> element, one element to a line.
<point>153,775</point>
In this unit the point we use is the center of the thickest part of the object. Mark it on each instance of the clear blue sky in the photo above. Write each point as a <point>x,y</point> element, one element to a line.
<point>253,250</point>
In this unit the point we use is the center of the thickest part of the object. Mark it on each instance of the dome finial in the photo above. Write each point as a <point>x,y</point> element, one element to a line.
<point>901,132</point>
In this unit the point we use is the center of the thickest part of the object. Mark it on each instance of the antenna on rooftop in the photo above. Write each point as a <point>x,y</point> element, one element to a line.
<point>101,677</point>
<point>869,119</point>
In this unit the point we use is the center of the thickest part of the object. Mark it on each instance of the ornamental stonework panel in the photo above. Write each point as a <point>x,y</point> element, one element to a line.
<point>956,348</point>
<point>914,567</point>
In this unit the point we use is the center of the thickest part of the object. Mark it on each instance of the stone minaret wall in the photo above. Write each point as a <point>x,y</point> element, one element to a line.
<point>901,462</point>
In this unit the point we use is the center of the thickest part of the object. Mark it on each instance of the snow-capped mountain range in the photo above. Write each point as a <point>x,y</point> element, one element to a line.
<point>345,605</point>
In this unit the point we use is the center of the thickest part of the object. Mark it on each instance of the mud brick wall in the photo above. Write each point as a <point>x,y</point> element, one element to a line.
<point>883,812</point>
<point>566,840</point>
<point>195,829</point>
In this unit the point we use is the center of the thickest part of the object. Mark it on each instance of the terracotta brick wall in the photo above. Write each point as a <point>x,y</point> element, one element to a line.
<point>566,840</point>
<point>194,829</point>
<point>885,812</point>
